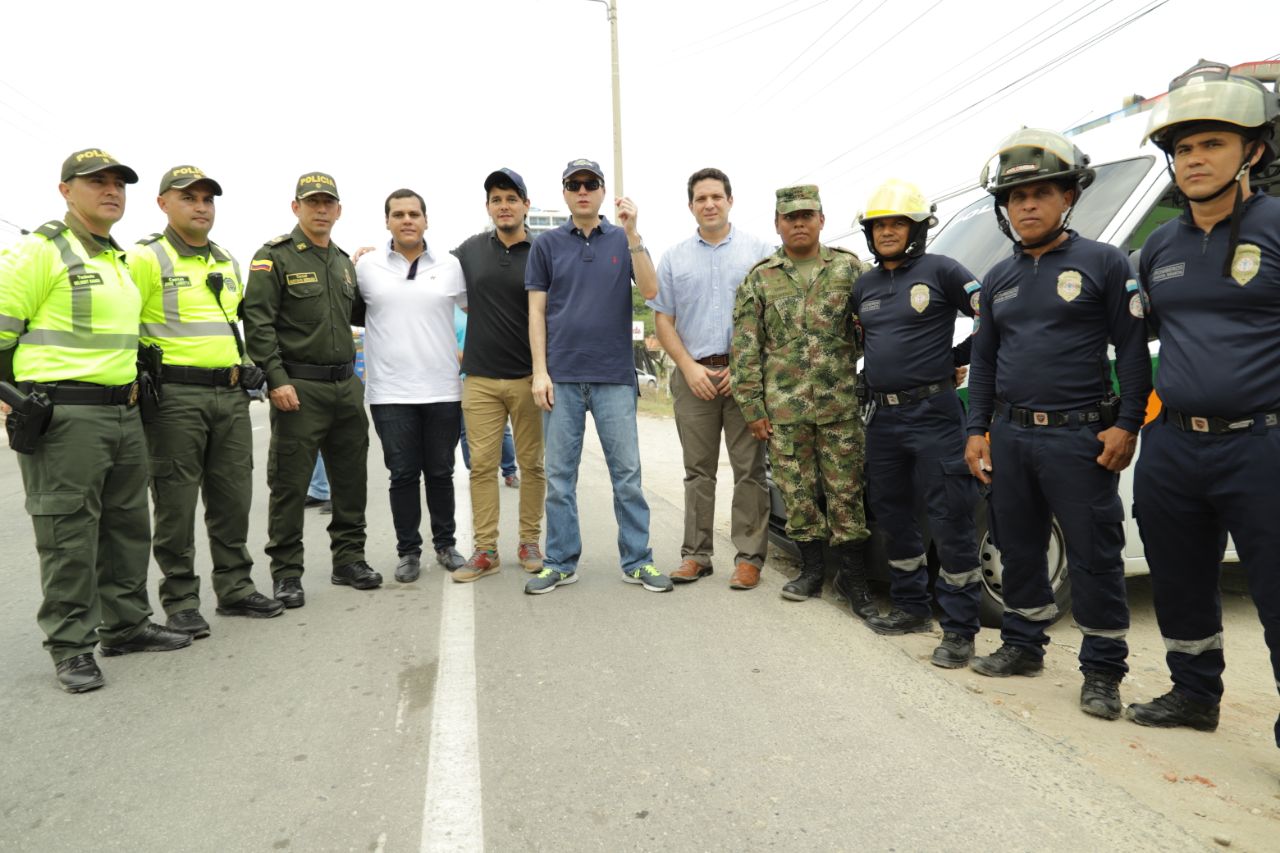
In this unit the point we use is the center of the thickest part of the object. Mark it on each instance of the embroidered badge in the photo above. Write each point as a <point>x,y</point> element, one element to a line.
<point>919,297</point>
<point>870,305</point>
<point>1136,307</point>
<point>261,265</point>
<point>1247,262</point>
<point>1005,295</point>
<point>1070,283</point>
<point>300,278</point>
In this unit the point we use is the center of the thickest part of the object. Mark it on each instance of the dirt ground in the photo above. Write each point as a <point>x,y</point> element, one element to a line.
<point>1223,787</point>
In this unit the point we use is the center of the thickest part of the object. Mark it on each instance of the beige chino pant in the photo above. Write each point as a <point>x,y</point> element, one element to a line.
<point>486,405</point>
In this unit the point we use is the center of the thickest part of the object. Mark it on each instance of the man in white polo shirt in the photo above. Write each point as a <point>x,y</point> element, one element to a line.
<point>406,300</point>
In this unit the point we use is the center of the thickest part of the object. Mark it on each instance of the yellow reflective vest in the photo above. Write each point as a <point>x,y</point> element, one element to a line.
<point>180,312</point>
<point>69,307</point>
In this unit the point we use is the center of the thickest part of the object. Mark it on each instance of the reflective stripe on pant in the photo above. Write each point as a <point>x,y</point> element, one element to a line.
<point>1039,473</point>
<point>1190,490</point>
<point>915,454</point>
<point>86,489</point>
<point>202,444</point>
<point>486,406</point>
<point>331,419</point>
<point>700,424</point>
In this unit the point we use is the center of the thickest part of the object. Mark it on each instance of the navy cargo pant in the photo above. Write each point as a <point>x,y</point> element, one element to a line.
<point>1190,490</point>
<point>1041,472</point>
<point>918,449</point>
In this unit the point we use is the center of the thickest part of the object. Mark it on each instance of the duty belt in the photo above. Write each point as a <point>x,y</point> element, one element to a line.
<point>714,361</point>
<point>1220,426</point>
<point>321,372</point>
<point>76,393</point>
<point>1031,418</point>
<point>911,395</point>
<point>216,376</point>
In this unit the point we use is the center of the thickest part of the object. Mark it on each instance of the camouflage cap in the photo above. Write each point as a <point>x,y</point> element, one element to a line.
<point>92,160</point>
<point>803,197</point>
<point>315,183</point>
<point>181,177</point>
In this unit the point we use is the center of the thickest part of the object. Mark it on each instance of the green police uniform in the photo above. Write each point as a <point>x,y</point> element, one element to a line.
<point>201,439</point>
<point>69,315</point>
<point>297,314</point>
<point>795,351</point>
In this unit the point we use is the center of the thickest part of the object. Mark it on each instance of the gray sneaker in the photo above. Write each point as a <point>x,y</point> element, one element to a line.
<point>449,557</point>
<point>650,578</point>
<point>409,568</point>
<point>547,580</point>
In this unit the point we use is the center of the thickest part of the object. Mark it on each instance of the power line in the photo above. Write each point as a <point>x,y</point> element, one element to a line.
<point>805,50</point>
<point>730,29</point>
<point>732,39</point>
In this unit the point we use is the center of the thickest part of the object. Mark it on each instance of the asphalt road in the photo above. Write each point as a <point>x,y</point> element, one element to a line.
<point>598,717</point>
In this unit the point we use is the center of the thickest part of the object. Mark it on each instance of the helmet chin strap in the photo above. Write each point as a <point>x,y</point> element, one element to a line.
<point>1043,241</point>
<point>1233,240</point>
<point>915,244</point>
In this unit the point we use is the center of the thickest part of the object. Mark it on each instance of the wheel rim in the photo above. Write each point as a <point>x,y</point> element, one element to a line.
<point>992,565</point>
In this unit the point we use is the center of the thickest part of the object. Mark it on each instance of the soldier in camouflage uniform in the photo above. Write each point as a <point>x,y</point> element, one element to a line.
<point>795,351</point>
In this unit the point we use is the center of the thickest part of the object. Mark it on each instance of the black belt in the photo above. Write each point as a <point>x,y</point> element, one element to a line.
<point>1220,426</point>
<point>216,376</point>
<point>1030,418</point>
<point>76,393</point>
<point>321,372</point>
<point>912,395</point>
<point>714,361</point>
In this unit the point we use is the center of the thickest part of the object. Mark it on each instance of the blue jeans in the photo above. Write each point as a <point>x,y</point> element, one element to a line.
<point>319,488</point>
<point>613,408</point>
<point>508,450</point>
<point>417,443</point>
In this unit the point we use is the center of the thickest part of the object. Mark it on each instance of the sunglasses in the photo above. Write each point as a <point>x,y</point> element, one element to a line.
<point>590,183</point>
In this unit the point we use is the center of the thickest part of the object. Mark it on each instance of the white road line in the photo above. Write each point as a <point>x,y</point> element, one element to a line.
<point>451,814</point>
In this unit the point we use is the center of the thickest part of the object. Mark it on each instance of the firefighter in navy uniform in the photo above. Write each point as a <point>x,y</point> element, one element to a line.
<point>907,305</point>
<point>69,330</point>
<point>1210,463</point>
<point>1040,383</point>
<point>200,440</point>
<point>297,316</point>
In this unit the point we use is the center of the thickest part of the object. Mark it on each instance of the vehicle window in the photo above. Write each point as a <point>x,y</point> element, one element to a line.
<point>1170,206</point>
<point>973,238</point>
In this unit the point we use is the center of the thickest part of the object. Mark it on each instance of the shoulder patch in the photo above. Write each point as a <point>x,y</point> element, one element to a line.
<point>261,265</point>
<point>51,229</point>
<point>149,239</point>
<point>276,241</point>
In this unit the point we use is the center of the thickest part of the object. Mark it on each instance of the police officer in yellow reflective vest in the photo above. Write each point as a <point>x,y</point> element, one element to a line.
<point>199,439</point>
<point>297,314</point>
<point>69,332</point>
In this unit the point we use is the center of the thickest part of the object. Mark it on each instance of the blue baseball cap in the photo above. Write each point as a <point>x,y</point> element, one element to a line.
<point>506,176</point>
<point>582,165</point>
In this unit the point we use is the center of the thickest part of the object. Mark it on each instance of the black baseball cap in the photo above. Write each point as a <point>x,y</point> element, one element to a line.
<point>506,176</point>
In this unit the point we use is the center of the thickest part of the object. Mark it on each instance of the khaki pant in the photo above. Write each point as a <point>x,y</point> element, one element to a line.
<point>486,405</point>
<point>700,423</point>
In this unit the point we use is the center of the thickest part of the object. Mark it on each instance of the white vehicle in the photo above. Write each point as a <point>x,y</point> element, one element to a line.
<point>1132,195</point>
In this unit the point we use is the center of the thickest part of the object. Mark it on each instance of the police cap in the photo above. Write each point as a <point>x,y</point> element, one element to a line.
<point>315,183</point>
<point>181,177</point>
<point>92,160</point>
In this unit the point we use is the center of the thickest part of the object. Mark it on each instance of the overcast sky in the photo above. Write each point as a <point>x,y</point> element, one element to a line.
<point>434,95</point>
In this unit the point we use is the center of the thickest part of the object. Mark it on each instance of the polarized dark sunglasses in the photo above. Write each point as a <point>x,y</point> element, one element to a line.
<point>591,184</point>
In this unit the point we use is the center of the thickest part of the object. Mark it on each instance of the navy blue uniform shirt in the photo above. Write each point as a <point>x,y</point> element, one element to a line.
<point>1043,328</point>
<point>908,318</point>
<point>1219,335</point>
<point>587,278</point>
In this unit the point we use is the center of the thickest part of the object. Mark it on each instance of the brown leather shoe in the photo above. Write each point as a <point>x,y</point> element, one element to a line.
<point>690,571</point>
<point>745,576</point>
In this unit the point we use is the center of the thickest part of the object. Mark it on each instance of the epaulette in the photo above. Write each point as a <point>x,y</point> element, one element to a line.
<point>51,229</point>
<point>276,241</point>
<point>846,251</point>
<point>344,252</point>
<point>150,238</point>
<point>763,262</point>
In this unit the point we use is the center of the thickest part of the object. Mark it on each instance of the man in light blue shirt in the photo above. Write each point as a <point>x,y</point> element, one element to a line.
<point>693,316</point>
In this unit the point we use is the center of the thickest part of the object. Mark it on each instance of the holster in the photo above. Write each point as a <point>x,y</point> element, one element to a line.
<point>150,384</point>
<point>1109,410</point>
<point>860,388</point>
<point>29,419</point>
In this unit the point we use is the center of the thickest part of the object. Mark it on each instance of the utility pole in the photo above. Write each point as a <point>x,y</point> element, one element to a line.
<point>611,10</point>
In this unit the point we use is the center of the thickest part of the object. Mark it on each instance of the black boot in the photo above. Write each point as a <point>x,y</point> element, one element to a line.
<point>809,583</point>
<point>851,582</point>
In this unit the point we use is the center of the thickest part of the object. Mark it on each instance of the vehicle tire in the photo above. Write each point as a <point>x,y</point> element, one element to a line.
<point>991,606</point>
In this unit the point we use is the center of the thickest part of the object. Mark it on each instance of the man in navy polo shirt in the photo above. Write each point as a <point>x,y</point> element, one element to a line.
<point>579,281</point>
<point>1211,462</point>
<point>1041,384</point>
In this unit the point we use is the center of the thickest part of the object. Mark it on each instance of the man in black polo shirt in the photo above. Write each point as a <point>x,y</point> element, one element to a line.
<point>499,373</point>
<point>1041,385</point>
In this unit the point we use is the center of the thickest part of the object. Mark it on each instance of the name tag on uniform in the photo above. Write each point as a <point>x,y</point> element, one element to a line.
<point>1005,295</point>
<point>85,279</point>
<point>1168,272</point>
<point>301,278</point>
<point>175,281</point>
<point>870,305</point>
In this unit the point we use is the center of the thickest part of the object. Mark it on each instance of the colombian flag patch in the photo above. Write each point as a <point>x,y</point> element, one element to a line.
<point>263,265</point>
